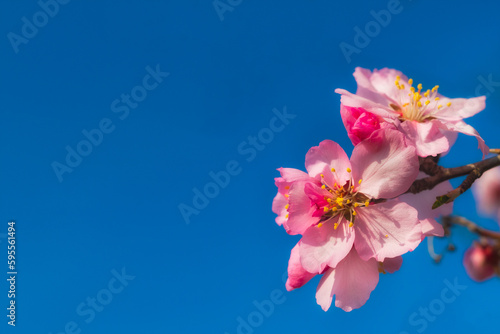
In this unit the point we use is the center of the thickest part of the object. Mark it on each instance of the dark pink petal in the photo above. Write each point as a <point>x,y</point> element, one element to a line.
<point>297,275</point>
<point>470,131</point>
<point>324,246</point>
<point>300,212</point>
<point>352,282</point>
<point>426,136</point>
<point>385,164</point>
<point>387,229</point>
<point>391,265</point>
<point>359,123</point>
<point>321,159</point>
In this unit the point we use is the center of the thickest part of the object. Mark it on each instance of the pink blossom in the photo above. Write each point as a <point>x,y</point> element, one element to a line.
<point>481,262</point>
<point>423,202</point>
<point>486,191</point>
<point>332,206</point>
<point>352,281</point>
<point>429,120</point>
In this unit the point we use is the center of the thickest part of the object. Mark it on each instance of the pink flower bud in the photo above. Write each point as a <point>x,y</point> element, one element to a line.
<point>359,123</point>
<point>480,262</point>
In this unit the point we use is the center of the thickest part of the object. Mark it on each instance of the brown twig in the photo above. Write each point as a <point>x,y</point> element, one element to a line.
<point>440,174</point>
<point>473,227</point>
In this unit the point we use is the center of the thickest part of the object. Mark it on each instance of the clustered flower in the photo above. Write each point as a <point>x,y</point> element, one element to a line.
<point>354,214</point>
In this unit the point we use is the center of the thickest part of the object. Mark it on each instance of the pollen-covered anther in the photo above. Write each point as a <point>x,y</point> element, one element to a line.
<point>448,104</point>
<point>320,224</point>
<point>350,224</point>
<point>333,170</point>
<point>287,206</point>
<point>286,215</point>
<point>348,170</point>
<point>367,203</point>
<point>325,209</point>
<point>287,187</point>
<point>322,176</point>
<point>335,226</point>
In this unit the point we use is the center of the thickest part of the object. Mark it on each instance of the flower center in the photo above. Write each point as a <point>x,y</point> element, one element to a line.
<point>341,202</point>
<point>415,106</point>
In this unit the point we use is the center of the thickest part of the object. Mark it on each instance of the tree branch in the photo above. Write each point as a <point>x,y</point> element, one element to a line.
<point>440,174</point>
<point>474,228</point>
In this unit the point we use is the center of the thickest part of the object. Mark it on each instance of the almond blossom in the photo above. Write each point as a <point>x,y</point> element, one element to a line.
<point>333,205</point>
<point>429,120</point>
<point>486,191</point>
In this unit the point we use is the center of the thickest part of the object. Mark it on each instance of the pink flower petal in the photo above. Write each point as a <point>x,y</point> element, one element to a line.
<point>386,230</point>
<point>352,281</point>
<point>391,265</point>
<point>355,101</point>
<point>279,204</point>
<point>486,192</point>
<point>386,166</point>
<point>426,136</point>
<point>423,202</point>
<point>460,108</point>
<point>300,211</point>
<point>297,275</point>
<point>470,131</point>
<point>324,246</point>
<point>382,82</point>
<point>321,159</point>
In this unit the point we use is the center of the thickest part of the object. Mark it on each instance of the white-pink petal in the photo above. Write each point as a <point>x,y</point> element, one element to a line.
<point>387,229</point>
<point>325,246</point>
<point>385,164</point>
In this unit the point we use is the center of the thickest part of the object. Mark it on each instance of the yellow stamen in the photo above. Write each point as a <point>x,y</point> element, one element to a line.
<point>323,187</point>
<point>435,88</point>
<point>367,203</point>
<point>335,226</point>
<point>353,213</point>
<point>419,87</point>
<point>436,99</point>
<point>325,209</point>
<point>427,102</point>
<point>320,224</point>
<point>360,180</point>
<point>448,104</point>
<point>287,206</point>
<point>286,215</point>
<point>334,209</point>
<point>333,170</point>
<point>356,205</point>
<point>287,187</point>
<point>350,224</point>
<point>348,170</point>
<point>410,81</point>
<point>322,175</point>
<point>440,106</point>
<point>286,195</point>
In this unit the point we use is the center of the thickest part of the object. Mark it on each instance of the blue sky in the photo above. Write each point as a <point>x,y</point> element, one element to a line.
<point>157,98</point>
